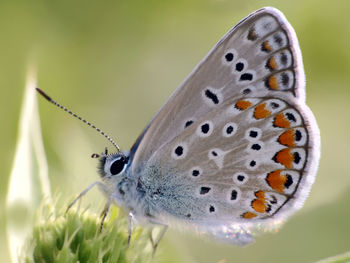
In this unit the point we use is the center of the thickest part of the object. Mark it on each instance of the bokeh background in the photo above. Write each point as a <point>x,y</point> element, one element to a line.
<point>117,62</point>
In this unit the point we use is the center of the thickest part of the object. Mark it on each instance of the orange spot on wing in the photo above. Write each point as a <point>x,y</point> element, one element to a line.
<point>271,64</point>
<point>252,35</point>
<point>266,46</point>
<point>259,206</point>
<point>272,82</point>
<point>284,157</point>
<point>243,104</point>
<point>249,215</point>
<point>261,112</point>
<point>276,180</point>
<point>287,138</point>
<point>281,121</point>
<point>260,195</point>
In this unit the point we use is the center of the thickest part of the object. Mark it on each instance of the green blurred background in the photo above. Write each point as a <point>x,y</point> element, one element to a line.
<point>117,62</point>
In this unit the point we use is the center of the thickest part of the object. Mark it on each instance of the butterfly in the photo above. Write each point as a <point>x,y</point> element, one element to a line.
<point>234,149</point>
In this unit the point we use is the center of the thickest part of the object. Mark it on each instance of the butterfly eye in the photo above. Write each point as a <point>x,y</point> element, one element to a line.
<point>118,165</point>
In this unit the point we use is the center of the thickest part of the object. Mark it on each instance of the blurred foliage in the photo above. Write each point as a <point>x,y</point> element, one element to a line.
<point>342,258</point>
<point>116,63</point>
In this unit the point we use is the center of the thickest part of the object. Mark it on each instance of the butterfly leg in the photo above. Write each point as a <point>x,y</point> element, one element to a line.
<point>155,243</point>
<point>84,192</point>
<point>105,213</point>
<point>130,217</point>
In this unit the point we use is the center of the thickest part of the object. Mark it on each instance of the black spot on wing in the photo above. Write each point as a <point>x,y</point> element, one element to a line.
<point>212,96</point>
<point>246,77</point>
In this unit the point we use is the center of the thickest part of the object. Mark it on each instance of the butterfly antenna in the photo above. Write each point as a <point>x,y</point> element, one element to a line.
<point>47,97</point>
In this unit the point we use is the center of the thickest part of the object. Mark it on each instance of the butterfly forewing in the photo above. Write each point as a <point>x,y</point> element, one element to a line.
<point>220,76</point>
<point>235,142</point>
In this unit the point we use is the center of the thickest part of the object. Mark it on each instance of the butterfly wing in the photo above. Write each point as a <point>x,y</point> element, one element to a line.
<point>235,143</point>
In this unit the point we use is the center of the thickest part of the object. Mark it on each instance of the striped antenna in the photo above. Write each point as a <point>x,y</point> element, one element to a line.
<point>47,97</point>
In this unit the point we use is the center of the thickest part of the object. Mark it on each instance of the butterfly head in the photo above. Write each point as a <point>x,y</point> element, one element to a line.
<point>113,170</point>
<point>112,166</point>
